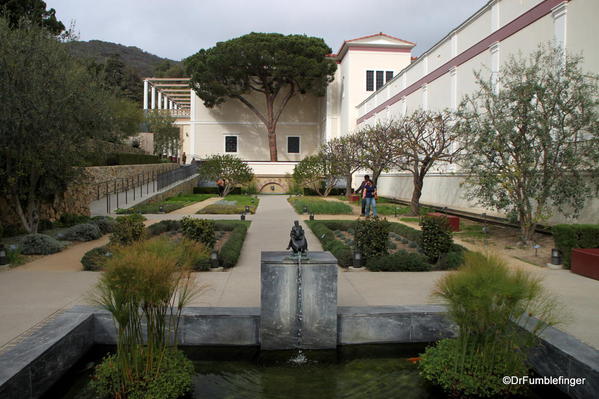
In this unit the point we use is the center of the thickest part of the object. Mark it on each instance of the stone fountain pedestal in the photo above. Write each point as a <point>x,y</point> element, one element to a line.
<point>280,325</point>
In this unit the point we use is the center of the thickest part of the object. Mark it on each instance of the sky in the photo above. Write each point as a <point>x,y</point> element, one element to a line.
<point>176,29</point>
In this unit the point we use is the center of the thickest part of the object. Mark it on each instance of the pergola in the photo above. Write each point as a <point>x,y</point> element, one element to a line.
<point>168,93</point>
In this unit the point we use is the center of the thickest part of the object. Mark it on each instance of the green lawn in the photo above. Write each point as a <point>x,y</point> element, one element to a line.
<point>232,204</point>
<point>319,206</point>
<point>168,205</point>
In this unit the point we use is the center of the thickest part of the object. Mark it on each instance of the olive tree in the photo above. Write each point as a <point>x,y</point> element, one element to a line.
<point>317,172</point>
<point>344,153</point>
<point>231,169</point>
<point>275,66</point>
<point>378,147</point>
<point>425,138</point>
<point>52,107</point>
<point>532,141</point>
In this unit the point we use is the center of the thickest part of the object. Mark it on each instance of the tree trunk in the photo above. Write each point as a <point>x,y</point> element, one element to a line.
<point>527,227</point>
<point>272,144</point>
<point>348,180</point>
<point>375,175</point>
<point>416,194</point>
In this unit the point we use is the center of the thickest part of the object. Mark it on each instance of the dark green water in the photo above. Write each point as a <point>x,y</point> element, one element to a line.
<point>364,372</point>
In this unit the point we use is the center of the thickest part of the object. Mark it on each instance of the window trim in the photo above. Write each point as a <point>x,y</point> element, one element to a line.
<point>225,135</point>
<point>299,144</point>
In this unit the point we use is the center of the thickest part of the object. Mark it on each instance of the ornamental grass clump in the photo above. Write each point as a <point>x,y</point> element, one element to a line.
<point>489,303</point>
<point>145,287</point>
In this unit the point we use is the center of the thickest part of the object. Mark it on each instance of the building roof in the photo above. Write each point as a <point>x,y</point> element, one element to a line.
<point>376,41</point>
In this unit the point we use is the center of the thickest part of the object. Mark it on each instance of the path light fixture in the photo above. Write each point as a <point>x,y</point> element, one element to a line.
<point>247,209</point>
<point>395,211</point>
<point>311,215</point>
<point>3,257</point>
<point>536,247</point>
<point>305,210</point>
<point>214,259</point>
<point>357,259</point>
<point>556,256</point>
<point>161,209</point>
<point>242,216</point>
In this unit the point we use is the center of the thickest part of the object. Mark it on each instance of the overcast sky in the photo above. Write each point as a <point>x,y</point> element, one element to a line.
<point>178,28</point>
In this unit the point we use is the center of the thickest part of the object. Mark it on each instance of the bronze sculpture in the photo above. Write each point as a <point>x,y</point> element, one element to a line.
<point>298,242</point>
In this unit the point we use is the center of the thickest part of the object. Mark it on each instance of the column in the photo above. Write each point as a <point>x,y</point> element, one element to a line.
<point>453,95</point>
<point>145,94</point>
<point>559,14</point>
<point>494,48</point>
<point>159,100</point>
<point>153,97</point>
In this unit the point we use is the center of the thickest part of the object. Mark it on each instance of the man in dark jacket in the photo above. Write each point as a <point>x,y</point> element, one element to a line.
<point>359,191</point>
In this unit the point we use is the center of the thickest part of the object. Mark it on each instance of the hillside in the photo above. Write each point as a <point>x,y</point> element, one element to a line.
<point>141,62</point>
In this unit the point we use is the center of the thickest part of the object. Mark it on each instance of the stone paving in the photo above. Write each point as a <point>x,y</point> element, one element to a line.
<point>32,293</point>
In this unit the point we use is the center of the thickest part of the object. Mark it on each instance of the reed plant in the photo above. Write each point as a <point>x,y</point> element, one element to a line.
<point>145,287</point>
<point>490,303</point>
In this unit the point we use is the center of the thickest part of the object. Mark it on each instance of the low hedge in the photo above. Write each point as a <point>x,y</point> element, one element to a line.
<point>401,261</point>
<point>82,232</point>
<point>319,206</point>
<point>230,251</point>
<point>214,190</point>
<point>95,259</point>
<point>570,236</point>
<point>40,244</point>
<point>329,242</point>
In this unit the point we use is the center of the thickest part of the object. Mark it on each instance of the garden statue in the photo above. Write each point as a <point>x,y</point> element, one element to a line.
<point>298,242</point>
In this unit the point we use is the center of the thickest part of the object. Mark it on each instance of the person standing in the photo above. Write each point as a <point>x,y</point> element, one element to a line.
<point>369,197</point>
<point>220,183</point>
<point>360,191</point>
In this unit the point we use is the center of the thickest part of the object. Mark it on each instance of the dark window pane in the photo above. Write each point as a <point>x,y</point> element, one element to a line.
<point>379,79</point>
<point>388,76</point>
<point>369,80</point>
<point>293,145</point>
<point>230,143</point>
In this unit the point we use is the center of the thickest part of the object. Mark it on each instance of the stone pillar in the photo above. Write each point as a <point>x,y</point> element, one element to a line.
<point>279,322</point>
<point>145,94</point>
<point>153,95</point>
<point>159,100</point>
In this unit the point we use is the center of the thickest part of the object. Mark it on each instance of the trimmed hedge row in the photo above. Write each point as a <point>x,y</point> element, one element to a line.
<point>570,236</point>
<point>120,158</point>
<point>326,236</point>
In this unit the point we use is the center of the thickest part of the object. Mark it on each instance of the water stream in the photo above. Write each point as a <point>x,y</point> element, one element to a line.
<point>299,357</point>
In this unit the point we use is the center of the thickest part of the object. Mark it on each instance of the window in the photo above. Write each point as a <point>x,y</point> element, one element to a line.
<point>382,77</point>
<point>293,144</point>
<point>369,80</point>
<point>379,79</point>
<point>230,143</point>
<point>388,76</point>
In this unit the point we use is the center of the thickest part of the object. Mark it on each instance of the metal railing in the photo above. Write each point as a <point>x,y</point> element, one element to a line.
<point>172,176</point>
<point>121,190</point>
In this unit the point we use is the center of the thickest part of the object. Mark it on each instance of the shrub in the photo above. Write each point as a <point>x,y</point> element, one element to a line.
<point>96,259</point>
<point>163,226</point>
<point>401,261</point>
<point>436,237</point>
<point>106,224</point>
<point>145,283</point>
<point>15,257</point>
<point>570,236</point>
<point>128,229</point>
<point>195,253</point>
<point>70,219</point>
<point>488,302</point>
<point>39,244</point>
<point>201,230</point>
<point>230,251</point>
<point>1,230</point>
<point>83,232</point>
<point>172,380</point>
<point>372,236</point>
<point>451,260</point>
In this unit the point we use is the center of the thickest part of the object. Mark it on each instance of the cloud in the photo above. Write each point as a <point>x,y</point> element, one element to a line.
<point>179,28</point>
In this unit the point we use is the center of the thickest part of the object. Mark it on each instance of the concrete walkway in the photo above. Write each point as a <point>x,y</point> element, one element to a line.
<point>32,293</point>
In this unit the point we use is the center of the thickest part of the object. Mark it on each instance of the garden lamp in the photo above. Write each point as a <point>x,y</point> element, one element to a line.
<point>536,247</point>
<point>3,257</point>
<point>311,215</point>
<point>214,259</point>
<point>485,228</point>
<point>556,256</point>
<point>242,216</point>
<point>247,209</point>
<point>357,259</point>
<point>161,209</point>
<point>305,209</point>
<point>395,211</point>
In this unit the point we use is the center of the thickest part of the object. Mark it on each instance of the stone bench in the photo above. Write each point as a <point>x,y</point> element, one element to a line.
<point>585,262</point>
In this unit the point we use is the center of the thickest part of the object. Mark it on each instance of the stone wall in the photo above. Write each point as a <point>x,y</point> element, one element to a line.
<point>94,184</point>
<point>183,187</point>
<point>264,184</point>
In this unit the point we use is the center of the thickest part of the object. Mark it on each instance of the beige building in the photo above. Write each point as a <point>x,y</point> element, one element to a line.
<point>377,79</point>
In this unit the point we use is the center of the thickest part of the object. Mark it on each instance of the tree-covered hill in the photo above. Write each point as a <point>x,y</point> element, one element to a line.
<point>143,63</point>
